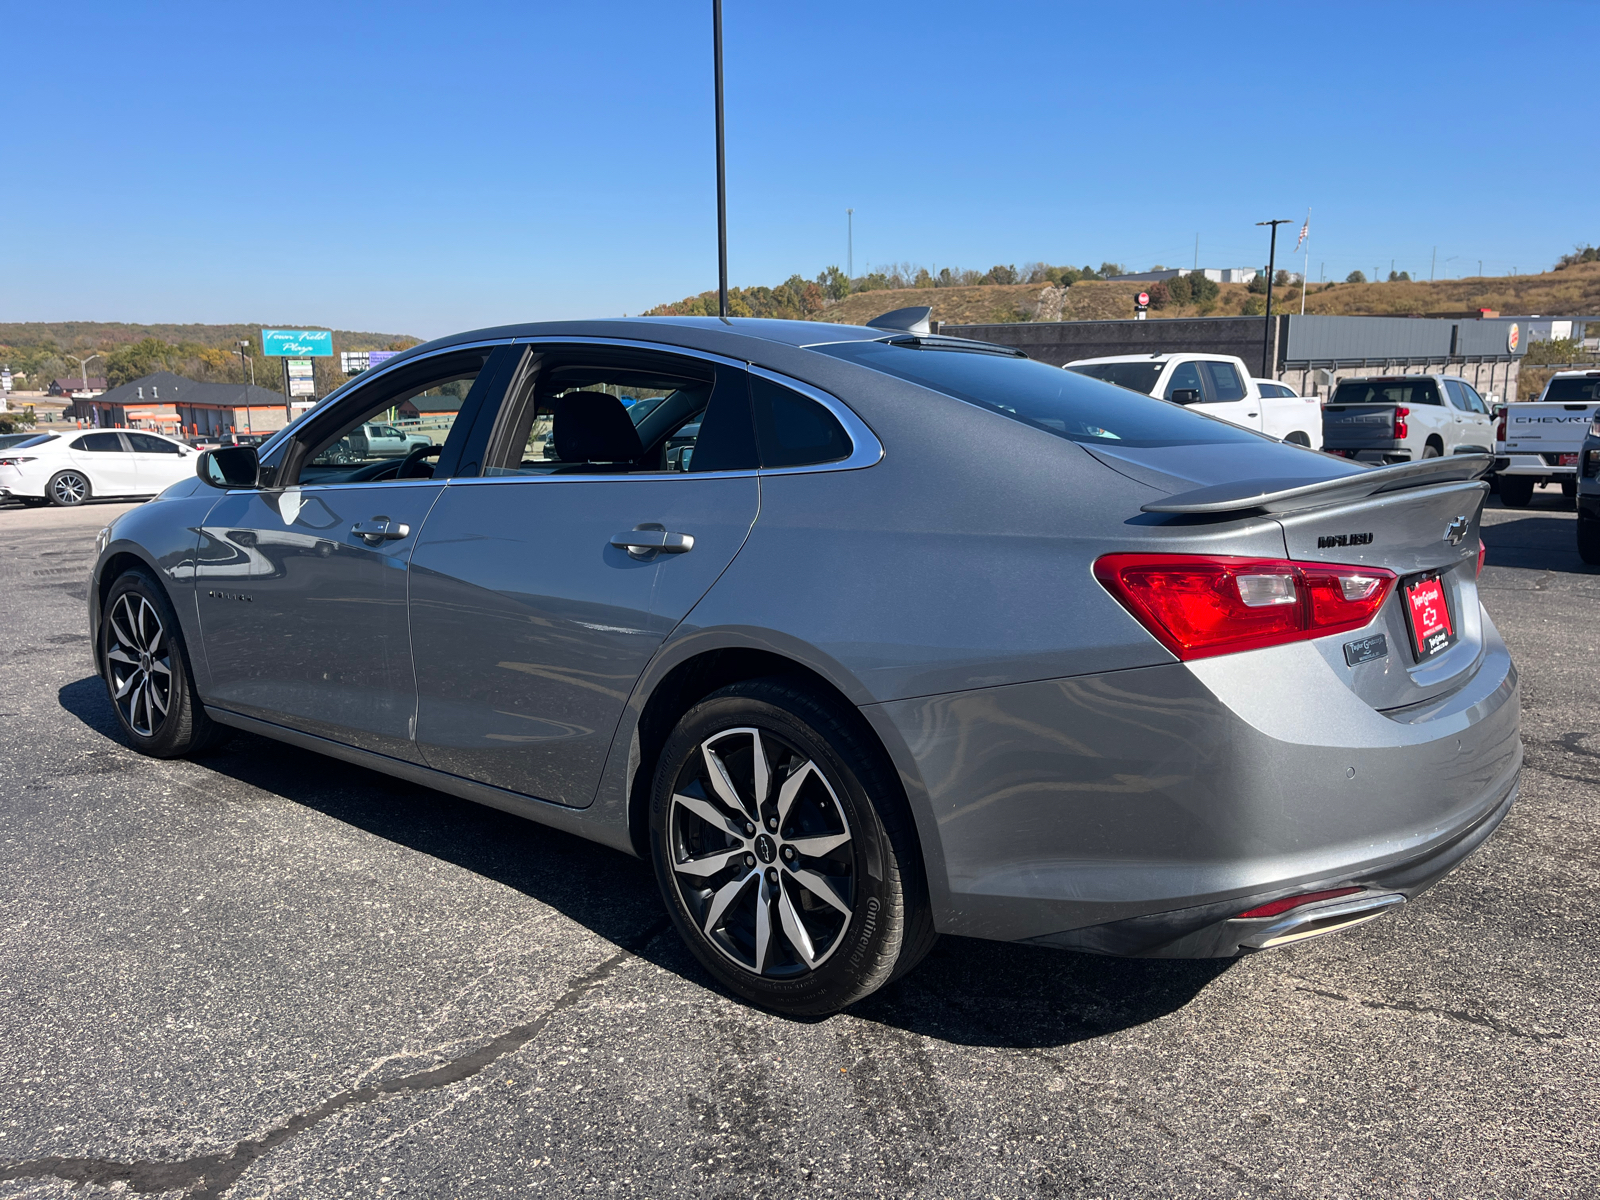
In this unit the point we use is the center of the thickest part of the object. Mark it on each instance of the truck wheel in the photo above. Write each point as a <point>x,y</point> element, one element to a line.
<point>1298,439</point>
<point>1569,488</point>
<point>1589,539</point>
<point>1516,490</point>
<point>1432,450</point>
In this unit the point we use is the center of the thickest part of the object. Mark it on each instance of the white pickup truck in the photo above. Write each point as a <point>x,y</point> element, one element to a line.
<point>1402,418</point>
<point>1539,441</point>
<point>1217,384</point>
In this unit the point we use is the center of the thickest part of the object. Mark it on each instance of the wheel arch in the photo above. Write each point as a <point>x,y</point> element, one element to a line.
<point>120,558</point>
<point>709,660</point>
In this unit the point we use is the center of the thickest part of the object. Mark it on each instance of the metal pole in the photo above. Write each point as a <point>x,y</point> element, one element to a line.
<point>722,174</point>
<point>850,243</point>
<point>1432,264</point>
<point>1197,252</point>
<point>1272,259</point>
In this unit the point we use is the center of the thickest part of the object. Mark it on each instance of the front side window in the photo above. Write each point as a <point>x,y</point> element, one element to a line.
<point>1064,403</point>
<point>1474,401</point>
<point>393,428</point>
<point>99,443</point>
<point>1186,378</point>
<point>1225,382</point>
<point>604,411</point>
<point>143,443</point>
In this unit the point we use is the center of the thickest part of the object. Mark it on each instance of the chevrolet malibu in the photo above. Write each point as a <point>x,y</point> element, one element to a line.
<point>860,635</point>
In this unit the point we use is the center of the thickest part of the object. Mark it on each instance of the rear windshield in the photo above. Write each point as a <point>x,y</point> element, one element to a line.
<point>1064,403</point>
<point>1386,391</point>
<point>1573,391</point>
<point>38,440</point>
<point>1139,376</point>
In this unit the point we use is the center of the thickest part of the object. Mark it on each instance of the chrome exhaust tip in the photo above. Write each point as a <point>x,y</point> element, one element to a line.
<point>1313,920</point>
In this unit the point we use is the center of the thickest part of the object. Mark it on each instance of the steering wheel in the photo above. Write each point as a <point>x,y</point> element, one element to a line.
<point>412,466</point>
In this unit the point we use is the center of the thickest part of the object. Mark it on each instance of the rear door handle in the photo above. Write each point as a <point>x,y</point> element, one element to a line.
<point>379,530</point>
<point>644,542</point>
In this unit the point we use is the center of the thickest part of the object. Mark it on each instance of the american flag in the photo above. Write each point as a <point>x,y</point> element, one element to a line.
<point>1305,231</point>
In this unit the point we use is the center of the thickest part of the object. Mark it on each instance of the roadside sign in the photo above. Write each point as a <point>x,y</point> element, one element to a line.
<point>1144,299</point>
<point>355,361</point>
<point>302,379</point>
<point>298,342</point>
<point>1513,337</point>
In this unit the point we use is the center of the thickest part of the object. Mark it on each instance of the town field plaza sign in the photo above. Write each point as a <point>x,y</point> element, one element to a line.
<point>297,343</point>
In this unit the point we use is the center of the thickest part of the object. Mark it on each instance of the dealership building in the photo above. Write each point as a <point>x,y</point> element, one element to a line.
<point>169,403</point>
<point>1308,353</point>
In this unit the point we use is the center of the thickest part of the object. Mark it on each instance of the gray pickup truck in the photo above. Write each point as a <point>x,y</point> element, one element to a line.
<point>1402,418</point>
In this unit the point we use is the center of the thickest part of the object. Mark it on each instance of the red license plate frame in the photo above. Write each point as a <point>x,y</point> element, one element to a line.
<point>1428,616</point>
<point>1567,460</point>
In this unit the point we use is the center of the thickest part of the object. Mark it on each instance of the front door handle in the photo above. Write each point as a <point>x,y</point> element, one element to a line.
<point>379,530</point>
<point>644,542</point>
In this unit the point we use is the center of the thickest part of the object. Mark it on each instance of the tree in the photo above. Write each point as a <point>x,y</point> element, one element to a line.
<point>1355,277</point>
<point>1108,269</point>
<point>1087,272</point>
<point>1258,283</point>
<point>834,283</point>
<point>1000,274</point>
<point>1281,279</point>
<point>1179,289</point>
<point>1399,276</point>
<point>1160,294</point>
<point>1202,290</point>
<point>1254,306</point>
<point>1580,254</point>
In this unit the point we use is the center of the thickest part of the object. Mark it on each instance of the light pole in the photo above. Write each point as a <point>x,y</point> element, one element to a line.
<point>722,174</point>
<point>850,243</point>
<point>1272,262</point>
<point>83,366</point>
<point>1447,263</point>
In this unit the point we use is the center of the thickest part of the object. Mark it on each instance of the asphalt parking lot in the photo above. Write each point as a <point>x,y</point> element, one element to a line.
<point>267,973</point>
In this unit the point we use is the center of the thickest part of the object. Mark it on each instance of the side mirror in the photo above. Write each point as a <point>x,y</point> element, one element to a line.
<point>229,467</point>
<point>1185,396</point>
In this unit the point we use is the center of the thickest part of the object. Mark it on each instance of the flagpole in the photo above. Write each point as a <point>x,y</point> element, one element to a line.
<point>1305,278</point>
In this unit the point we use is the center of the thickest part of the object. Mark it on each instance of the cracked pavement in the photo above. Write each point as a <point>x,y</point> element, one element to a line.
<point>269,974</point>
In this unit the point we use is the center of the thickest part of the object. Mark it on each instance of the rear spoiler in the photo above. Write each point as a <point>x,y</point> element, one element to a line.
<point>1290,495</point>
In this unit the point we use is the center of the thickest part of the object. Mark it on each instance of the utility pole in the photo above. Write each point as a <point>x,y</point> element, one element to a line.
<point>850,243</point>
<point>1480,268</point>
<point>722,173</point>
<point>1272,262</point>
<point>1433,264</point>
<point>1197,252</point>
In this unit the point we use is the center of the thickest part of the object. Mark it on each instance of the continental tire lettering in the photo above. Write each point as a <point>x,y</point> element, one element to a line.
<point>868,928</point>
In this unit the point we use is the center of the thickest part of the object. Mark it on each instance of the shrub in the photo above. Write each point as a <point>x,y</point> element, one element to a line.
<point>1160,294</point>
<point>1355,277</point>
<point>1179,289</point>
<point>1202,290</point>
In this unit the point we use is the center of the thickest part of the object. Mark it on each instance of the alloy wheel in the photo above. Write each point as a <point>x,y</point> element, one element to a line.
<point>139,658</point>
<point>69,488</point>
<point>762,852</point>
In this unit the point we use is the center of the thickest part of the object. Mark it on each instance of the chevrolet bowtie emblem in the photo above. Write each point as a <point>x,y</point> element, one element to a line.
<point>1456,530</point>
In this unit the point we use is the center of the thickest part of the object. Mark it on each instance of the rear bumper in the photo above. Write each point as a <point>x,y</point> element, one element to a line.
<point>1384,456</point>
<point>1127,811</point>
<point>1531,464</point>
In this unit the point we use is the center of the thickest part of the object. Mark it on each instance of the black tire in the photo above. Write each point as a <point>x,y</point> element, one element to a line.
<point>68,489</point>
<point>1589,539</point>
<point>872,924</point>
<point>145,664</point>
<point>1516,490</point>
<point>1569,488</point>
<point>1432,450</point>
<point>1298,439</point>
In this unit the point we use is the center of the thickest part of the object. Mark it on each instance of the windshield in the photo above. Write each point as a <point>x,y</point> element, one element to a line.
<point>38,440</point>
<point>1066,404</point>
<point>1139,376</point>
<point>1573,390</point>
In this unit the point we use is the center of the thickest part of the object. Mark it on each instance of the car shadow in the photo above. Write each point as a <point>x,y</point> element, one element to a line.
<point>1535,542</point>
<point>967,991</point>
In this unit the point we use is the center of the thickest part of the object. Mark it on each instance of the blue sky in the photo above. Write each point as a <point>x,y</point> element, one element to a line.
<point>427,168</point>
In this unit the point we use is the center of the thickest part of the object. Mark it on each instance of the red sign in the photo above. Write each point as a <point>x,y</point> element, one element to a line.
<point>1431,630</point>
<point>1144,299</point>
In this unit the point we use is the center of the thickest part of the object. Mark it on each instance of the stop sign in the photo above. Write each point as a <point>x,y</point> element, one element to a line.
<point>1144,299</point>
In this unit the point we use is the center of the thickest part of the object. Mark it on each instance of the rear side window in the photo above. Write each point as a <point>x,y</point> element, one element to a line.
<point>100,443</point>
<point>1065,403</point>
<point>1224,378</point>
<point>794,430</point>
<point>1573,390</point>
<point>1139,376</point>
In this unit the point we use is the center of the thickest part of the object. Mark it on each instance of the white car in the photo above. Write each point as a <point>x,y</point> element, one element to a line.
<point>68,468</point>
<point>1217,384</point>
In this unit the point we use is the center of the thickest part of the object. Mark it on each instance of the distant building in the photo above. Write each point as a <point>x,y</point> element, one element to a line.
<point>1215,274</point>
<point>75,387</point>
<point>169,403</point>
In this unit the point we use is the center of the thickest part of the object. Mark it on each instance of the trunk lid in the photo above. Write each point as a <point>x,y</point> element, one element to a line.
<point>1540,427</point>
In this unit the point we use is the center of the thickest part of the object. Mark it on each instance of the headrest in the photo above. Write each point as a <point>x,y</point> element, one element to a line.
<point>594,427</point>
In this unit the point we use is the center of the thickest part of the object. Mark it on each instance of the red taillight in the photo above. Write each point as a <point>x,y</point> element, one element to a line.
<point>1500,429</point>
<point>1482,550</point>
<point>1288,902</point>
<point>1202,605</point>
<point>1400,430</point>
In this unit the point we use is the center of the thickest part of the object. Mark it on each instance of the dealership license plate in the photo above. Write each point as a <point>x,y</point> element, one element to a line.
<point>1568,460</point>
<point>1432,631</point>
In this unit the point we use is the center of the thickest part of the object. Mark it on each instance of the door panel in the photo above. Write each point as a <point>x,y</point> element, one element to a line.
<point>529,628</point>
<point>106,460</point>
<point>158,463</point>
<point>304,620</point>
